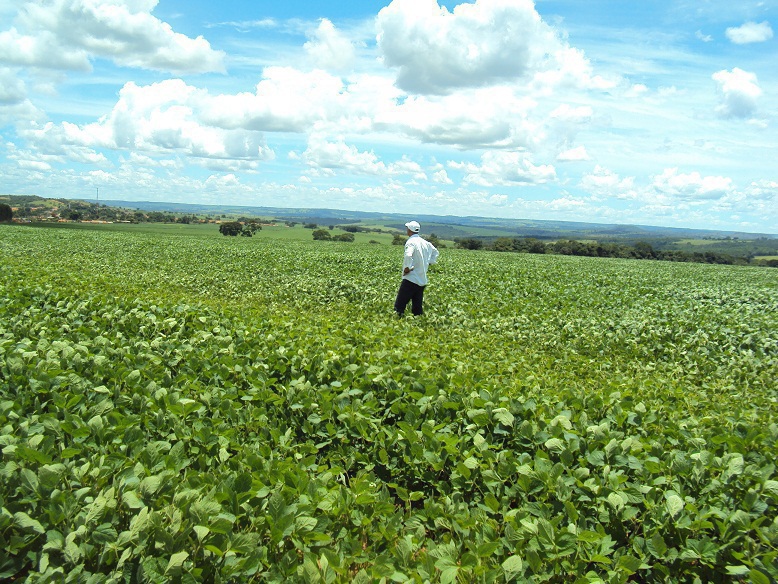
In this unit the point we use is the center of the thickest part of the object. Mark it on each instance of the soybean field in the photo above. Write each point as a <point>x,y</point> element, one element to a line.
<point>183,408</point>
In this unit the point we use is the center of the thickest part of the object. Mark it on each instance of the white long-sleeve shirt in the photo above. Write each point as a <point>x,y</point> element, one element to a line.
<point>419,254</point>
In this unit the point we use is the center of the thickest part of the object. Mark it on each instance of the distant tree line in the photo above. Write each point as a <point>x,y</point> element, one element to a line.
<point>245,229</point>
<point>362,229</point>
<point>325,235</point>
<point>31,208</point>
<point>6,213</point>
<point>641,250</point>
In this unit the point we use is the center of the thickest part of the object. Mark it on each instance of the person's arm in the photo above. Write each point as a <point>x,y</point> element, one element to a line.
<point>408,258</point>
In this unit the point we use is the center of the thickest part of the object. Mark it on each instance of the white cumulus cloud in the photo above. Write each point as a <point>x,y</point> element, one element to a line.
<point>441,176</point>
<point>67,34</point>
<point>604,183</point>
<point>750,32</point>
<point>573,154</point>
<point>504,168</point>
<point>325,156</point>
<point>15,106</point>
<point>467,119</point>
<point>739,91</point>
<point>329,48</point>
<point>436,51</point>
<point>286,100</point>
<point>161,119</point>
<point>691,186</point>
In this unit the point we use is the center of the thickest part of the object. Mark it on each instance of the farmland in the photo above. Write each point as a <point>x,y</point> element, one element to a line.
<point>187,407</point>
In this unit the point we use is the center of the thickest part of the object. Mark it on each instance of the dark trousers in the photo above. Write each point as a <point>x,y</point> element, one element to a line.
<point>409,292</point>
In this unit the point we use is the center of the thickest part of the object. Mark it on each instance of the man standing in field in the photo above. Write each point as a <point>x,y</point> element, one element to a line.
<point>419,254</point>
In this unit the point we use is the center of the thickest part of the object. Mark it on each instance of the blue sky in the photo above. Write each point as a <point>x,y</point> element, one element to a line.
<point>656,113</point>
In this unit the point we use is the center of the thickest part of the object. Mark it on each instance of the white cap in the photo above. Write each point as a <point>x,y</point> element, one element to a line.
<point>413,226</point>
